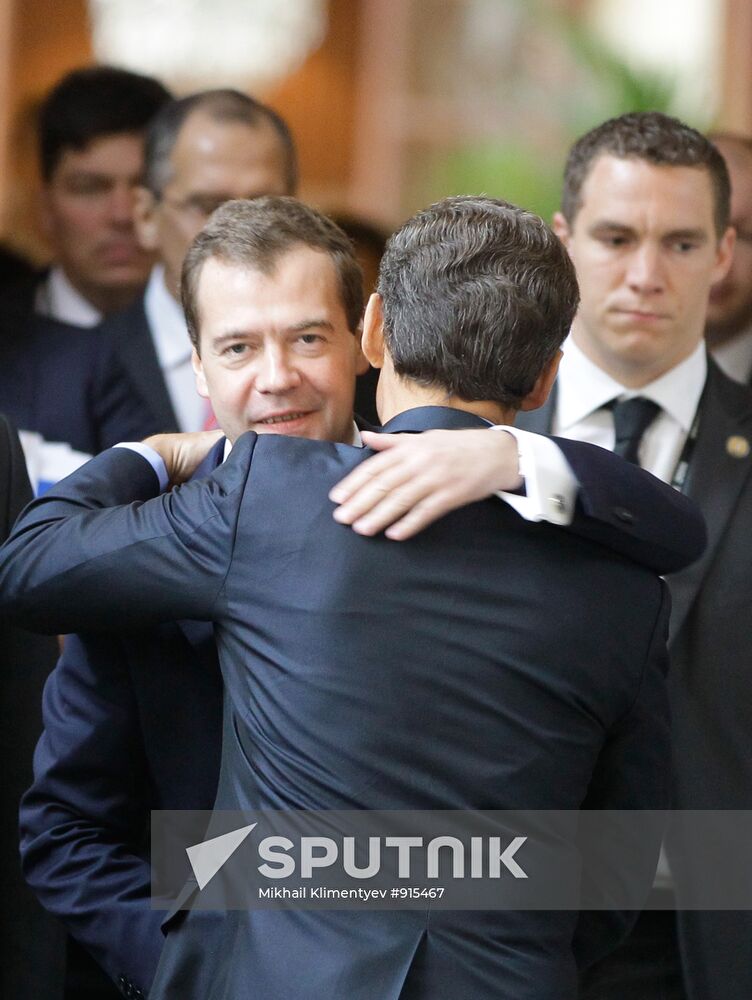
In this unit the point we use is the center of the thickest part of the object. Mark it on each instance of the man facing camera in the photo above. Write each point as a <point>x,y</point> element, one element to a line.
<point>91,151</point>
<point>336,685</point>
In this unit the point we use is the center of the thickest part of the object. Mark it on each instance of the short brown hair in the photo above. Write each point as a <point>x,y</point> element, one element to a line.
<point>655,138</point>
<point>255,234</point>
<point>478,296</point>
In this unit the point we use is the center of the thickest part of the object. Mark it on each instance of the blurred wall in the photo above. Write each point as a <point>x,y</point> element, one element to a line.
<point>43,39</point>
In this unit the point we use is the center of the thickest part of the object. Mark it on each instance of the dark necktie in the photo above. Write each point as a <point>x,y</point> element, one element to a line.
<point>632,417</point>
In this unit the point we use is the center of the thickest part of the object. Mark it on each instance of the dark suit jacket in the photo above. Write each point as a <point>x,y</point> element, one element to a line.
<point>136,353</point>
<point>107,702</point>
<point>107,758</point>
<point>711,653</point>
<point>336,721</point>
<point>32,957</point>
<point>66,384</point>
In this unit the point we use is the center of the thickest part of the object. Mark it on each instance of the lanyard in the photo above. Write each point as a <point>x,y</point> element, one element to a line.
<point>679,478</point>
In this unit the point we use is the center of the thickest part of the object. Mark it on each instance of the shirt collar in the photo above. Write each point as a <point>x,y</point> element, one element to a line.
<point>57,298</point>
<point>583,387</point>
<point>166,321</point>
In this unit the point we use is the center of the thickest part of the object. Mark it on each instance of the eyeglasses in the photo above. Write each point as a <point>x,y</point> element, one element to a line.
<point>198,205</point>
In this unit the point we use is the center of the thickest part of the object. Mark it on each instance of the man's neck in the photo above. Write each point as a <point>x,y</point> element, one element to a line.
<point>396,395</point>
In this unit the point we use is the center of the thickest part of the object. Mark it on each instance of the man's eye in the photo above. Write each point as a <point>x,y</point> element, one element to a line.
<point>614,241</point>
<point>88,185</point>
<point>235,350</point>
<point>684,246</point>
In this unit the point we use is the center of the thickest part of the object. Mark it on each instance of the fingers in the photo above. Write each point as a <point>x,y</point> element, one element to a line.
<point>364,473</point>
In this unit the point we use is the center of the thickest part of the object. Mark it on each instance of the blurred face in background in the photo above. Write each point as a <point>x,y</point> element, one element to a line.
<point>730,307</point>
<point>212,161</point>
<point>87,215</point>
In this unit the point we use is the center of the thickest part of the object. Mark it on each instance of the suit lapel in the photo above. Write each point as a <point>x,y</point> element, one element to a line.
<point>139,358</point>
<point>715,478</point>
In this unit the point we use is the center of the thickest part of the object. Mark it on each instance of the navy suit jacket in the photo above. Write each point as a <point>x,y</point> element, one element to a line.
<point>107,757</point>
<point>66,384</point>
<point>264,519</point>
<point>107,702</point>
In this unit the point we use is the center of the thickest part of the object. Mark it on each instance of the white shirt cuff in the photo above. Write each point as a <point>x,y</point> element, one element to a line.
<point>154,459</point>
<point>550,485</point>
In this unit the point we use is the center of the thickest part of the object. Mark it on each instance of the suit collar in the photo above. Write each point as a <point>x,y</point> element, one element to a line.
<point>425,418</point>
<point>716,477</point>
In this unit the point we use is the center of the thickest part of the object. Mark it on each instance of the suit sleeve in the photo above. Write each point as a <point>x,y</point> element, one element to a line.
<point>625,807</point>
<point>84,824</point>
<point>77,563</point>
<point>632,512</point>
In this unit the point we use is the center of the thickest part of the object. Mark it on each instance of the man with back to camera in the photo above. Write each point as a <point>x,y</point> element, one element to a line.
<point>229,342</point>
<point>644,215</point>
<point>123,687</point>
<point>91,151</point>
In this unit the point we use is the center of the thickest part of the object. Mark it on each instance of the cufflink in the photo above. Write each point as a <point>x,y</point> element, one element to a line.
<point>558,503</point>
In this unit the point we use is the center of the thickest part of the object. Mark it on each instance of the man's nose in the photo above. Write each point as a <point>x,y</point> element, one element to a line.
<point>121,203</point>
<point>277,372</point>
<point>645,270</point>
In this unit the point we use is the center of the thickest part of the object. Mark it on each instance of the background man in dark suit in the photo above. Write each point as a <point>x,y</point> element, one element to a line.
<point>106,758</point>
<point>506,264</point>
<point>31,961</point>
<point>201,151</point>
<point>728,330</point>
<point>91,152</point>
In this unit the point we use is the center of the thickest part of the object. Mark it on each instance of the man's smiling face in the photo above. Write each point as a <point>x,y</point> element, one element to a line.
<point>277,356</point>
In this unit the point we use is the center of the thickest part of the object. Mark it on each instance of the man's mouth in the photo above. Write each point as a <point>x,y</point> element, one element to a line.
<point>283,418</point>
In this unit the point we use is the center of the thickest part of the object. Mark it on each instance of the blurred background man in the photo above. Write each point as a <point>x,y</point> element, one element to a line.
<point>728,330</point>
<point>91,157</point>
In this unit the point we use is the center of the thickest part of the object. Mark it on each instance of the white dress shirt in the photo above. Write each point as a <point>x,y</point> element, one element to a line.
<point>57,298</point>
<point>735,357</point>
<point>173,347</point>
<point>583,389</point>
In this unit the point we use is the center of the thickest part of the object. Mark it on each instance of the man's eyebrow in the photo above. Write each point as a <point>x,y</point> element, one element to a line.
<point>310,324</point>
<point>607,226</point>
<point>245,334</point>
<point>695,235</point>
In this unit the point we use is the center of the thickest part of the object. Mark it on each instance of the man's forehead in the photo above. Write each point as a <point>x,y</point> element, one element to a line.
<point>615,185</point>
<point>104,152</point>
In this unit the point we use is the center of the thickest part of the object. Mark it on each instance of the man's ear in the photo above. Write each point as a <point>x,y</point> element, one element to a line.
<point>373,331</point>
<point>198,370</point>
<point>723,255</point>
<point>45,213</point>
<point>145,209</point>
<point>361,361</point>
<point>561,227</point>
<point>543,385</point>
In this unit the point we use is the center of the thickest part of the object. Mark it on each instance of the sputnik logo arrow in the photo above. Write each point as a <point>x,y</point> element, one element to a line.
<point>208,857</point>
